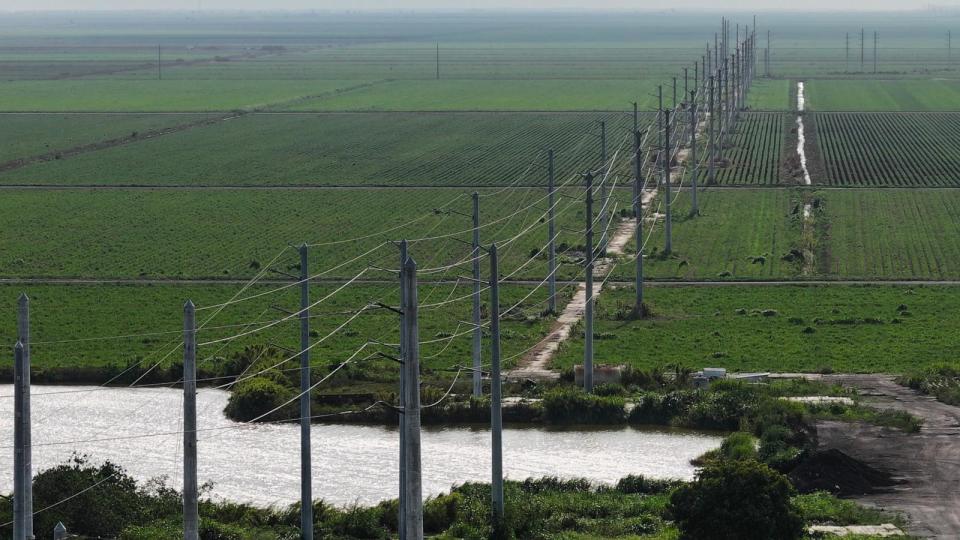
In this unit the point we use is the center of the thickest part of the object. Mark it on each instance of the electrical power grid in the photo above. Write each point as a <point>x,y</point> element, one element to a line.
<point>656,158</point>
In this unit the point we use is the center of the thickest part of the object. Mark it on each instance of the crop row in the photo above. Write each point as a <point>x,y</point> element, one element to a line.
<point>222,234</point>
<point>474,149</point>
<point>402,62</point>
<point>892,234</point>
<point>754,151</point>
<point>890,149</point>
<point>882,329</point>
<point>145,323</point>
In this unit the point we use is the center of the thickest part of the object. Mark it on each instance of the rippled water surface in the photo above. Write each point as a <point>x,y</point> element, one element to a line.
<point>260,464</point>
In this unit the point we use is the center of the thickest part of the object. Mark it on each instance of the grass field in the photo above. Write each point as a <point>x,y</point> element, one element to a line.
<point>903,234</point>
<point>754,151</point>
<point>418,61</point>
<point>883,95</point>
<point>851,329</point>
<point>339,149</point>
<point>168,95</point>
<point>770,95</point>
<point>67,320</point>
<point>26,135</point>
<point>493,95</point>
<point>740,234</point>
<point>222,234</point>
<point>880,149</point>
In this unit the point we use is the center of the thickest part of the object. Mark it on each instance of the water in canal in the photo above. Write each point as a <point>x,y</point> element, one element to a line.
<point>139,429</point>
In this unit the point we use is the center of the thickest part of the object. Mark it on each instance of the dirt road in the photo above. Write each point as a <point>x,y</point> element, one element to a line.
<point>928,463</point>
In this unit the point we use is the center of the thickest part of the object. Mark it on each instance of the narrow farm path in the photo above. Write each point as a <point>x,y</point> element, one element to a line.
<point>928,463</point>
<point>536,363</point>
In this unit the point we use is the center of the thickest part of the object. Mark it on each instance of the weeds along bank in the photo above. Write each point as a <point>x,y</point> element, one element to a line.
<point>774,437</point>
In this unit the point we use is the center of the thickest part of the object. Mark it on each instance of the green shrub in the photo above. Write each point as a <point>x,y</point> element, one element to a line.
<point>572,406</point>
<point>743,500</point>
<point>738,446</point>
<point>640,485</point>
<point>823,507</point>
<point>439,513</point>
<point>719,409</point>
<point>257,396</point>
<point>104,510</point>
<point>661,409</point>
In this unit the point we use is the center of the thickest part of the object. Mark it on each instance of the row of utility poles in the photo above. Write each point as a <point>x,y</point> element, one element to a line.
<point>719,92</point>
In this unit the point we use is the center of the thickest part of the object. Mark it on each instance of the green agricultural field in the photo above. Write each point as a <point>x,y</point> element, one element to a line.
<point>166,95</point>
<point>754,151</point>
<point>770,95</point>
<point>848,329</point>
<point>27,135</point>
<point>224,234</point>
<point>339,149</point>
<point>419,61</point>
<point>909,60</point>
<point>67,320</point>
<point>889,149</point>
<point>883,95</point>
<point>901,234</point>
<point>740,234</point>
<point>492,95</point>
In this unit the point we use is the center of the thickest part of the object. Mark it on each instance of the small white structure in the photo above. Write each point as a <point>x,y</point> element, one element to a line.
<point>702,379</point>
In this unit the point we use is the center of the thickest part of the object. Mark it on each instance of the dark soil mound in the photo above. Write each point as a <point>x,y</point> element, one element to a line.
<point>833,471</point>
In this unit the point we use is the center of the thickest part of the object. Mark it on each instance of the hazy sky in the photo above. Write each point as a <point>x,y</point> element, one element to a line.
<point>17,5</point>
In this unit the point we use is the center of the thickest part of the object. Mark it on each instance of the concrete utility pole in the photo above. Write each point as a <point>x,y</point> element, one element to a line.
<point>876,43</point>
<point>22,391</point>
<point>716,50</point>
<point>737,77</point>
<point>725,112</point>
<point>496,417</point>
<point>660,116</point>
<point>438,61</point>
<point>603,143</point>
<point>848,52</point>
<point>711,151</point>
<point>686,81</point>
<point>159,65</point>
<point>668,248</point>
<point>404,255</point>
<point>674,93</point>
<point>413,492</point>
<point>191,518</point>
<point>949,45</point>
<point>694,169</point>
<point>551,236</point>
<point>306,468</point>
<point>638,215</point>
<point>863,38</point>
<point>477,330</point>
<point>604,195</point>
<point>588,310</point>
<point>769,52</point>
<point>707,61</point>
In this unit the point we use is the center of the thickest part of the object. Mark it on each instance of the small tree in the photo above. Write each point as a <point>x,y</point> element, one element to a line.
<point>92,500</point>
<point>736,500</point>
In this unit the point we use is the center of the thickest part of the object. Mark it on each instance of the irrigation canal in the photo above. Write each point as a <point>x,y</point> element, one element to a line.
<point>260,463</point>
